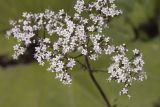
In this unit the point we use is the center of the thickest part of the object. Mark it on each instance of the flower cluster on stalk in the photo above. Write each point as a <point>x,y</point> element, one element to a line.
<point>58,35</point>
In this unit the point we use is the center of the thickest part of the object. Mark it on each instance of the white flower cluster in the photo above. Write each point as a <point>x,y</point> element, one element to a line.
<point>125,70</point>
<point>18,50</point>
<point>57,36</point>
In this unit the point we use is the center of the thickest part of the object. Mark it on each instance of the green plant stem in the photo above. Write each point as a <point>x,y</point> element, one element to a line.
<point>90,71</point>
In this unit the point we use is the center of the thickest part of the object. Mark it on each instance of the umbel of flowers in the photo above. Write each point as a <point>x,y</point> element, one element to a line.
<point>82,34</point>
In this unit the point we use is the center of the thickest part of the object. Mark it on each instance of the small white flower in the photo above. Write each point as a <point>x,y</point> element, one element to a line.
<point>110,49</point>
<point>124,91</point>
<point>18,51</point>
<point>71,63</point>
<point>79,6</point>
<point>136,51</point>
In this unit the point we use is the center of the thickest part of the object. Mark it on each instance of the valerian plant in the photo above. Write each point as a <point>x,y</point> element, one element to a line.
<point>82,34</point>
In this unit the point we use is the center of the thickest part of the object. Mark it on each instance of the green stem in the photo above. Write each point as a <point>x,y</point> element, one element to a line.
<point>90,71</point>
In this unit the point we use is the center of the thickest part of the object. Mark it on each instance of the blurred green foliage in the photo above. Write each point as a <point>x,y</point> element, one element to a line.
<point>32,86</point>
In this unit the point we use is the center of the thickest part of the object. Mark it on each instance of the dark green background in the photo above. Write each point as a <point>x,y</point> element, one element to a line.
<point>32,86</point>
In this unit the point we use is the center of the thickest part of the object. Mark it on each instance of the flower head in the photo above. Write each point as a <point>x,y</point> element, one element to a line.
<point>78,34</point>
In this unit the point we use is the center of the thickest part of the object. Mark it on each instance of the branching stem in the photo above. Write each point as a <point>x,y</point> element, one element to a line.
<point>90,71</point>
